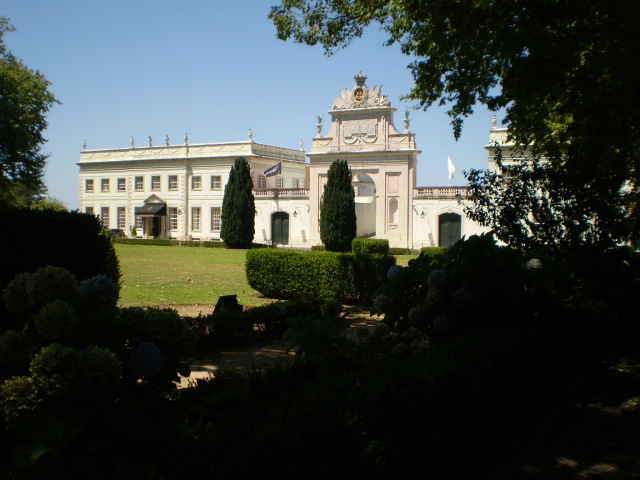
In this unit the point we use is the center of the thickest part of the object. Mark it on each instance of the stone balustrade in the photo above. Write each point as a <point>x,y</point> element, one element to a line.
<point>281,193</point>
<point>440,192</point>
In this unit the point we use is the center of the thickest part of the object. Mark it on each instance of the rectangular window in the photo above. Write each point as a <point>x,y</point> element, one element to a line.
<point>88,210</point>
<point>216,218</point>
<point>295,183</point>
<point>216,182</point>
<point>196,182</point>
<point>105,184</point>
<point>122,184</point>
<point>155,183</point>
<point>173,182</point>
<point>122,218</point>
<point>262,181</point>
<point>195,218</point>
<point>173,218</point>
<point>139,225</point>
<point>104,216</point>
<point>139,184</point>
<point>88,185</point>
<point>279,182</point>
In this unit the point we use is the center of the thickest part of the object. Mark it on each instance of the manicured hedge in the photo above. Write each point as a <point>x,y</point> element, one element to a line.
<point>370,245</point>
<point>302,274</point>
<point>169,242</point>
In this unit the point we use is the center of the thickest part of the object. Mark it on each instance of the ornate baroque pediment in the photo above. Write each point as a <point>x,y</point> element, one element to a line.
<point>361,96</point>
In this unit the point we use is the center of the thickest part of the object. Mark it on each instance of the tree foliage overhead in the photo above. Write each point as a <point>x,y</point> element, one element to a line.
<point>565,73</point>
<point>338,209</point>
<point>24,102</point>
<point>238,207</point>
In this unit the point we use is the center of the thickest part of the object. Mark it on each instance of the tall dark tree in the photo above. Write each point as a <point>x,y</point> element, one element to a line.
<point>566,74</point>
<point>24,101</point>
<point>238,207</point>
<point>338,209</point>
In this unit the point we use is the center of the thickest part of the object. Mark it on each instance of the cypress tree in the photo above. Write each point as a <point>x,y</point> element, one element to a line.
<point>338,209</point>
<point>238,207</point>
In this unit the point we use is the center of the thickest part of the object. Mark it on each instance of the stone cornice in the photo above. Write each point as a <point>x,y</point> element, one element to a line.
<point>191,152</point>
<point>366,156</point>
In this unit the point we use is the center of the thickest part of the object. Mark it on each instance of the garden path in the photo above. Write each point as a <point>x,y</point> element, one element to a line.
<point>260,356</point>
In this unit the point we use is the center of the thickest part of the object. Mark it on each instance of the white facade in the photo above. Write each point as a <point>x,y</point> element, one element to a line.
<point>183,185</point>
<point>384,162</point>
<point>176,191</point>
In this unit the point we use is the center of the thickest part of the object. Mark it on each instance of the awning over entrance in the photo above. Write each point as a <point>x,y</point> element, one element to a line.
<point>152,210</point>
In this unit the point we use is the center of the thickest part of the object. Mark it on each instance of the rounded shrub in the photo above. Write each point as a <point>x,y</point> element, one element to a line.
<point>101,289</point>
<point>56,320</point>
<point>147,361</point>
<point>51,283</point>
<point>15,296</point>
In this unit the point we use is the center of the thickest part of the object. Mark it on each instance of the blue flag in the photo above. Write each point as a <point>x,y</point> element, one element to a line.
<point>275,170</point>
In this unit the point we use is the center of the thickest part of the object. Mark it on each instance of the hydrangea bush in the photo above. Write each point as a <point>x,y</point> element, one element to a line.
<point>475,283</point>
<point>73,348</point>
<point>60,374</point>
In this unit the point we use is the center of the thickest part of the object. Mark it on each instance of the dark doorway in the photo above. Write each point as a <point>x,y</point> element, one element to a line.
<point>280,228</point>
<point>156,228</point>
<point>450,228</point>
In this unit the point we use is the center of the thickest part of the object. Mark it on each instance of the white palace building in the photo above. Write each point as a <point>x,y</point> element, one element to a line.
<point>176,191</point>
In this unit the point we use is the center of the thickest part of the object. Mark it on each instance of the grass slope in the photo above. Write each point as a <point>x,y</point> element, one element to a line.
<point>153,275</point>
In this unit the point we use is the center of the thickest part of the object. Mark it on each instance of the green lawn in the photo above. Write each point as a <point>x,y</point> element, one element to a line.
<point>153,275</point>
<point>404,259</point>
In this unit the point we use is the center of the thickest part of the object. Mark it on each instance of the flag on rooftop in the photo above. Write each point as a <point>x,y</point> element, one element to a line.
<point>275,170</point>
<point>452,168</point>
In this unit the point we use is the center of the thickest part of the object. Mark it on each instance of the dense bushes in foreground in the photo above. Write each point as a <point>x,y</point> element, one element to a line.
<point>231,327</point>
<point>75,241</point>
<point>72,359</point>
<point>456,410</point>
<point>453,384</point>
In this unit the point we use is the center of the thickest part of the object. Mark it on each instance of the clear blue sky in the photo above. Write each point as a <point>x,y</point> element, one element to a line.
<point>209,68</point>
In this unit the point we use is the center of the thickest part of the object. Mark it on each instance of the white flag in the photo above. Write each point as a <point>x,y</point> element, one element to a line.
<point>452,168</point>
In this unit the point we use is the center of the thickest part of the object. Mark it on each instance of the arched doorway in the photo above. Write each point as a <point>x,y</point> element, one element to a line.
<point>280,228</point>
<point>449,228</point>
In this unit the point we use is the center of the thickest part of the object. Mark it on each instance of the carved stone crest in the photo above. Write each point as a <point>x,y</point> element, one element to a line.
<point>361,96</point>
